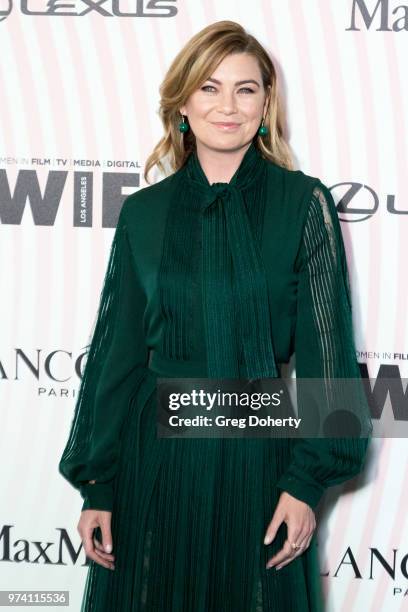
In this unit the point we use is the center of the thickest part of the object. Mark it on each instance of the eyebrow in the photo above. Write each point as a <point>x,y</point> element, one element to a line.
<point>237,83</point>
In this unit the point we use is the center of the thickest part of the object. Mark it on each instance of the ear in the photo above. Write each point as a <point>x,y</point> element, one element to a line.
<point>182,110</point>
<point>267,100</point>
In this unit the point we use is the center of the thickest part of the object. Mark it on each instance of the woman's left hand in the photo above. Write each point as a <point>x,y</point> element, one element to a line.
<point>301,523</point>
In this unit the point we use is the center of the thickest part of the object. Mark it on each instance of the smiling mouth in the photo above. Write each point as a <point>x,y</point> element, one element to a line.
<point>226,125</point>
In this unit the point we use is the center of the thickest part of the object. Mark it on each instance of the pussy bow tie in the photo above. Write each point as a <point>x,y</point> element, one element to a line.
<point>235,291</point>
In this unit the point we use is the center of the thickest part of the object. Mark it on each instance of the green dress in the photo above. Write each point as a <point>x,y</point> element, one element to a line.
<point>221,280</point>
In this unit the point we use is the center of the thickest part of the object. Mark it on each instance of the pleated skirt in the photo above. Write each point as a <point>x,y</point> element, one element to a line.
<point>188,524</point>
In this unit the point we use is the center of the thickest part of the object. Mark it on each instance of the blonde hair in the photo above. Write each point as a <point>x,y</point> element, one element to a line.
<point>190,68</point>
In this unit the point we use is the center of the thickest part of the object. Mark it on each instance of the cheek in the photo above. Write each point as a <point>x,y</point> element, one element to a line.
<point>252,108</point>
<point>197,105</point>
<point>201,111</point>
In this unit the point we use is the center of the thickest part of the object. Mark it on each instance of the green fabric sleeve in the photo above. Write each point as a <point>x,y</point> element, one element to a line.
<point>115,361</point>
<point>325,350</point>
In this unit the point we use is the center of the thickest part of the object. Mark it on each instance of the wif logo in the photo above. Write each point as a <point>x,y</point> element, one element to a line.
<point>80,8</point>
<point>45,203</point>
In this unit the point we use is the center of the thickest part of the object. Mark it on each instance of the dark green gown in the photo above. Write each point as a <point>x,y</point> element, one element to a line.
<point>203,280</point>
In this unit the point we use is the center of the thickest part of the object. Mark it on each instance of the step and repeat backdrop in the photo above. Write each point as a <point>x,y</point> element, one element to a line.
<point>79,116</point>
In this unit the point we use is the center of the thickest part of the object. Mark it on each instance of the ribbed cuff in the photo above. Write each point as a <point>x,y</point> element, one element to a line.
<point>98,496</point>
<point>309,492</point>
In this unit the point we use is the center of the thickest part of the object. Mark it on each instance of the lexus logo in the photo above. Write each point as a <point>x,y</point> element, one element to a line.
<point>5,8</point>
<point>80,8</point>
<point>359,202</point>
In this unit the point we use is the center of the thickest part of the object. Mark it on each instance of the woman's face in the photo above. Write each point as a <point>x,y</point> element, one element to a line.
<point>226,111</point>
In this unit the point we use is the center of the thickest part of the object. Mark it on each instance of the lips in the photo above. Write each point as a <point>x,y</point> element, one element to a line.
<point>225,124</point>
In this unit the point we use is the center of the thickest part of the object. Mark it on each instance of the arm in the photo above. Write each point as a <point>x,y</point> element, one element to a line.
<point>325,350</point>
<point>114,367</point>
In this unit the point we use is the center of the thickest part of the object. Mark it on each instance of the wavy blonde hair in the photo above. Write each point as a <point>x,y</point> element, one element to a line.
<point>190,68</point>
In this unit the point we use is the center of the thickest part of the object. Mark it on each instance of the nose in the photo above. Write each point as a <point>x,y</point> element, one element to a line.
<point>227,102</point>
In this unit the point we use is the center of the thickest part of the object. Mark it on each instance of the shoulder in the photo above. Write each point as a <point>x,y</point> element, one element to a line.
<point>148,203</point>
<point>306,201</point>
<point>293,190</point>
<point>149,195</point>
<point>292,181</point>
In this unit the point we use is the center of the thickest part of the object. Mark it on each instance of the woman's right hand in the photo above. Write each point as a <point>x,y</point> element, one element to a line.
<point>100,552</point>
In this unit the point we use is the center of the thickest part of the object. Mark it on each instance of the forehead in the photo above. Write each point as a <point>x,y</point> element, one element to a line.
<point>237,64</point>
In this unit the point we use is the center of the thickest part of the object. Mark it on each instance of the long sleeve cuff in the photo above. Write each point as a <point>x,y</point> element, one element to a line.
<point>98,496</point>
<point>304,488</point>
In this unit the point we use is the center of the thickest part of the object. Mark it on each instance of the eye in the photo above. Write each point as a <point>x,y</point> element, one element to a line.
<point>211,87</point>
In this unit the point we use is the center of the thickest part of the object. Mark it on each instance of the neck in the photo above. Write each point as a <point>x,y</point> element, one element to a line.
<point>220,166</point>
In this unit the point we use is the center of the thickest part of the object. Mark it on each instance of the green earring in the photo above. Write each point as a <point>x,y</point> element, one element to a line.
<point>263,130</point>
<point>183,126</point>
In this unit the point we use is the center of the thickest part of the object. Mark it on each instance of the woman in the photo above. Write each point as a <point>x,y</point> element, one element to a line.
<point>222,269</point>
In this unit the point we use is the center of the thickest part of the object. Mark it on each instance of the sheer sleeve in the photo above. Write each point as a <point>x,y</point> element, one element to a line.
<point>115,359</point>
<point>325,349</point>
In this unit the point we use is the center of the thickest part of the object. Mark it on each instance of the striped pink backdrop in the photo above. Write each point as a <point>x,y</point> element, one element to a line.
<point>86,88</point>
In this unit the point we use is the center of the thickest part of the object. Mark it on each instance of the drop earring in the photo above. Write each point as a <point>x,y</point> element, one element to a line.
<point>263,130</point>
<point>183,126</point>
